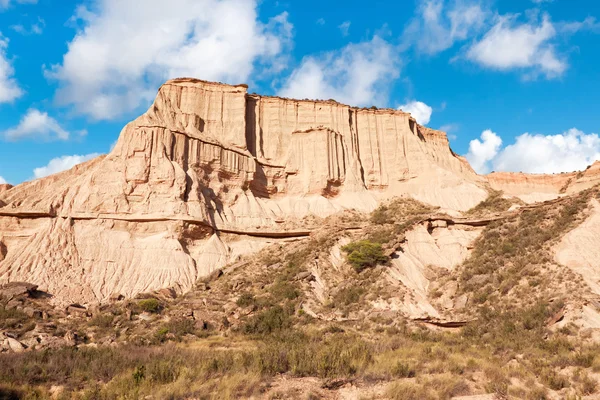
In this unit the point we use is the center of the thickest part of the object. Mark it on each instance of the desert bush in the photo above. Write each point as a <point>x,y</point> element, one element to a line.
<point>403,370</point>
<point>364,254</point>
<point>493,203</point>
<point>12,318</point>
<point>348,295</point>
<point>245,300</point>
<point>102,320</point>
<point>283,290</point>
<point>151,305</point>
<point>409,391</point>
<point>271,320</point>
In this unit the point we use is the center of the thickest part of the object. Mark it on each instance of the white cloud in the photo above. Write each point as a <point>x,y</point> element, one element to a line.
<point>419,110</point>
<point>345,28</point>
<point>481,152</point>
<point>35,29</point>
<point>509,45</point>
<point>439,24</point>
<point>321,21</point>
<point>127,48</point>
<point>359,74</point>
<point>9,89</point>
<point>7,3</point>
<point>2,181</point>
<point>570,151</point>
<point>38,125</point>
<point>588,24</point>
<point>60,164</point>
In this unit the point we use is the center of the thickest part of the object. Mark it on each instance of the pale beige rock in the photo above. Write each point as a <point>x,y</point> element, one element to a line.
<point>13,345</point>
<point>443,248</point>
<point>209,159</point>
<point>533,188</point>
<point>579,249</point>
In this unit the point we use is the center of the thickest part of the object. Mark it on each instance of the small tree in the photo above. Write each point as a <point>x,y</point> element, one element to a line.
<point>364,254</point>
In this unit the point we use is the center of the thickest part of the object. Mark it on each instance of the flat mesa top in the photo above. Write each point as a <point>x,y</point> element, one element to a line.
<point>243,88</point>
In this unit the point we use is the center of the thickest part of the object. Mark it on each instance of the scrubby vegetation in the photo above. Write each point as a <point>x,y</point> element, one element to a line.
<point>236,337</point>
<point>364,254</point>
<point>495,203</point>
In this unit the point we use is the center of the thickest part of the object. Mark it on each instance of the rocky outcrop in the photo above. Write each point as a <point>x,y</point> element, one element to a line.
<point>211,172</point>
<point>541,187</point>
<point>208,159</point>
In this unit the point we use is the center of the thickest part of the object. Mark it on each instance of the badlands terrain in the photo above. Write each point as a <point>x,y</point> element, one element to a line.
<point>233,245</point>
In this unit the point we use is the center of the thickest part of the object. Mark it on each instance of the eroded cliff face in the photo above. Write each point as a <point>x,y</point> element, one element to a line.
<point>206,160</point>
<point>533,188</point>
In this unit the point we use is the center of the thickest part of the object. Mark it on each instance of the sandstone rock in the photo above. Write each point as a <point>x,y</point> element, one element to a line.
<point>115,297</point>
<point>14,289</point>
<point>33,313</point>
<point>304,275</point>
<point>77,309</point>
<point>167,293</point>
<point>209,159</point>
<point>70,338</point>
<point>13,345</point>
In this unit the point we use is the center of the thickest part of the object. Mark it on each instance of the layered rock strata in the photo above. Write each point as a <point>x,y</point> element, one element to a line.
<point>210,172</point>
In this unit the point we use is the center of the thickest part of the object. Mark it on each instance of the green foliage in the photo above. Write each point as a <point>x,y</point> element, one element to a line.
<point>102,320</point>
<point>245,300</point>
<point>364,254</point>
<point>150,305</point>
<point>139,374</point>
<point>403,370</point>
<point>495,202</point>
<point>348,295</point>
<point>12,318</point>
<point>271,320</point>
<point>283,290</point>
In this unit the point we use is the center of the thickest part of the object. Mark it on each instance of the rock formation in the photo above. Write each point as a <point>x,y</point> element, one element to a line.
<point>210,172</point>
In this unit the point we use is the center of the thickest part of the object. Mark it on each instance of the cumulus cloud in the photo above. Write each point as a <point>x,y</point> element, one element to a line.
<point>359,74</point>
<point>570,151</point>
<point>534,153</point>
<point>527,46</point>
<point>481,152</point>
<point>9,89</point>
<point>439,24</point>
<point>36,124</point>
<point>2,181</point>
<point>419,110</point>
<point>125,49</point>
<point>60,164</point>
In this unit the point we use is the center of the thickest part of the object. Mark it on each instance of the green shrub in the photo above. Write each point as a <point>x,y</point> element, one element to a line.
<point>245,300</point>
<point>284,291</point>
<point>150,305</point>
<point>102,320</point>
<point>272,320</point>
<point>364,254</point>
<point>403,370</point>
<point>348,295</point>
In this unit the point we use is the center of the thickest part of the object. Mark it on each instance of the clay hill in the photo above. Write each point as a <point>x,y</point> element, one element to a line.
<point>239,246</point>
<point>211,172</point>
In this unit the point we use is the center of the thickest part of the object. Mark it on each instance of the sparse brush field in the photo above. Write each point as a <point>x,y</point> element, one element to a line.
<point>270,322</point>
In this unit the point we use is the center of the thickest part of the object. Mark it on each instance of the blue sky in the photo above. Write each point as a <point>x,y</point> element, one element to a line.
<point>514,82</point>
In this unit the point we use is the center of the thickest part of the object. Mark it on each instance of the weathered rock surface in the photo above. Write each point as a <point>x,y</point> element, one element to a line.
<point>533,188</point>
<point>206,159</point>
<point>209,159</point>
<point>579,249</point>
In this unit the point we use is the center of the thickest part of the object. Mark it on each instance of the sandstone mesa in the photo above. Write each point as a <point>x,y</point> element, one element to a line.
<point>211,172</point>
